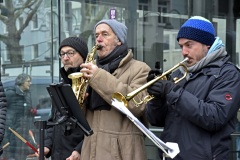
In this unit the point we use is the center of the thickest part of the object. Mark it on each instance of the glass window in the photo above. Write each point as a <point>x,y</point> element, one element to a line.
<point>27,46</point>
<point>35,22</point>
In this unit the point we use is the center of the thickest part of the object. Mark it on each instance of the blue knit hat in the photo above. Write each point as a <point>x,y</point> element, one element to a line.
<point>118,28</point>
<point>198,29</point>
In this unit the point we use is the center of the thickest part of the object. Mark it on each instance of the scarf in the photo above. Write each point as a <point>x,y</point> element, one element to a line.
<point>217,44</point>
<point>109,63</point>
<point>64,74</point>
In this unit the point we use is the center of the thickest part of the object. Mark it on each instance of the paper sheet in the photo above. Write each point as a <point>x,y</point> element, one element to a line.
<point>169,148</point>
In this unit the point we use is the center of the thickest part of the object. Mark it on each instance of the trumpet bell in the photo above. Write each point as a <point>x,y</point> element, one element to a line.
<point>121,98</point>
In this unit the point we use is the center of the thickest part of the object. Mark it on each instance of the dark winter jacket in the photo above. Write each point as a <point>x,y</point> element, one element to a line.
<point>202,113</point>
<point>20,119</point>
<point>3,111</point>
<point>59,139</point>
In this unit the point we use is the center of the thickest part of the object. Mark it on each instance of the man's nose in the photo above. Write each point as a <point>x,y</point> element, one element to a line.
<point>184,51</point>
<point>99,38</point>
<point>65,56</point>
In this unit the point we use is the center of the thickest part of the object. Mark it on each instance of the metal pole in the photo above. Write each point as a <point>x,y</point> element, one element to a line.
<point>42,125</point>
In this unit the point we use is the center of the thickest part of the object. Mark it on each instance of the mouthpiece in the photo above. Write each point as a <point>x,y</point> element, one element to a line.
<point>185,60</point>
<point>99,46</point>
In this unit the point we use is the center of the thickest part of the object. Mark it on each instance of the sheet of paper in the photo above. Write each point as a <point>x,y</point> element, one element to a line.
<point>169,148</point>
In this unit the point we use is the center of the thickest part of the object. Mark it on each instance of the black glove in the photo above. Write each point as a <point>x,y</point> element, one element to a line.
<point>153,73</point>
<point>161,88</point>
<point>157,72</point>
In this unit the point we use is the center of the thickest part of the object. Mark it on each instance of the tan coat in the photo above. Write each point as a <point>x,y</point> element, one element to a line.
<point>115,136</point>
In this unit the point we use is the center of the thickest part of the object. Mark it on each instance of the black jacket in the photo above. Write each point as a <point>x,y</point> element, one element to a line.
<point>3,111</point>
<point>64,138</point>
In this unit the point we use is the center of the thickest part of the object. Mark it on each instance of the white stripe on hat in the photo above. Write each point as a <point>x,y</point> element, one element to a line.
<point>200,18</point>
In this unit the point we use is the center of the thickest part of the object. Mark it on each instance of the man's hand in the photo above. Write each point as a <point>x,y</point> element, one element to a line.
<point>88,69</point>
<point>153,73</point>
<point>46,151</point>
<point>160,88</point>
<point>74,156</point>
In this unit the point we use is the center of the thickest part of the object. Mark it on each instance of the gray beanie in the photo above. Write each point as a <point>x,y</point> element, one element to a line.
<point>77,43</point>
<point>118,28</point>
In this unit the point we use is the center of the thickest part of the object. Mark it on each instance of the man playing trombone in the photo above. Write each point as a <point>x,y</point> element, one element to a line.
<point>199,113</point>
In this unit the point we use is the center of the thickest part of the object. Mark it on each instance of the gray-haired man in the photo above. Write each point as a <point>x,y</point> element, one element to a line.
<point>115,136</point>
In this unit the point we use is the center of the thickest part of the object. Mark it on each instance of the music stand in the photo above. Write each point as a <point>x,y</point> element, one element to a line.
<point>64,99</point>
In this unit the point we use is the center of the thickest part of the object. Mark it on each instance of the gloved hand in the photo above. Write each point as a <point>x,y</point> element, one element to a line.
<point>153,73</point>
<point>157,72</point>
<point>161,88</point>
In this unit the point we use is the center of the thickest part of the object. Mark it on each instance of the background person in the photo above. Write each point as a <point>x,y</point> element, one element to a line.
<point>19,117</point>
<point>200,112</point>
<point>115,136</point>
<point>59,145</point>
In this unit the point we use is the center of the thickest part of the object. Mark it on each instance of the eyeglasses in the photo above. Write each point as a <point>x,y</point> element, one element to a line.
<point>68,53</point>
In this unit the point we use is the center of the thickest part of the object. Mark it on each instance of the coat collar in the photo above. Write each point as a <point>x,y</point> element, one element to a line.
<point>127,58</point>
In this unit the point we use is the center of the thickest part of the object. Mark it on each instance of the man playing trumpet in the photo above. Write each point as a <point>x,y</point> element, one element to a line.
<point>199,113</point>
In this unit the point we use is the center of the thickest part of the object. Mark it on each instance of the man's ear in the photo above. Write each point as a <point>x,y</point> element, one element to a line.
<point>119,43</point>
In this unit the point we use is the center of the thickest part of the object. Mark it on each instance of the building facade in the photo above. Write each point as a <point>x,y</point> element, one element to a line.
<point>32,30</point>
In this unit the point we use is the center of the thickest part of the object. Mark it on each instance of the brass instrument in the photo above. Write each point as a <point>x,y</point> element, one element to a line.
<point>130,95</point>
<point>79,83</point>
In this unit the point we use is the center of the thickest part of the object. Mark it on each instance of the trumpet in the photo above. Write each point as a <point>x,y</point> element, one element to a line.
<point>125,99</point>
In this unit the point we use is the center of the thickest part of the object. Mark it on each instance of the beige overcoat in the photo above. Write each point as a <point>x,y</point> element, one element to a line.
<point>115,136</point>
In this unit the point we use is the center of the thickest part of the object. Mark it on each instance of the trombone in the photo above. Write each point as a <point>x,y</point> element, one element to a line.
<point>121,98</point>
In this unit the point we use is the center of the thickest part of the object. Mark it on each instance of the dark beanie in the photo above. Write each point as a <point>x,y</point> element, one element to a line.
<point>77,43</point>
<point>118,28</point>
<point>198,29</point>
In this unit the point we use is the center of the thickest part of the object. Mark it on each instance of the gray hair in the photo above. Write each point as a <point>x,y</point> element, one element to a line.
<point>21,78</point>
